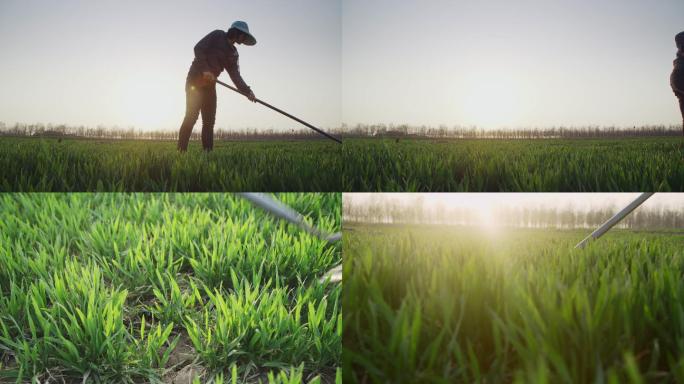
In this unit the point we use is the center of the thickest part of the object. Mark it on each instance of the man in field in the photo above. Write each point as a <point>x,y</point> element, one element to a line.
<point>214,53</point>
<point>677,77</point>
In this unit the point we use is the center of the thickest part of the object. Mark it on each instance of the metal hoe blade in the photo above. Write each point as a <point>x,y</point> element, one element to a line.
<point>334,275</point>
<point>284,113</point>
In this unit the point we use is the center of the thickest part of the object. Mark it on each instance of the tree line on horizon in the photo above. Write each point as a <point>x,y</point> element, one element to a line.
<point>345,131</point>
<point>473,132</point>
<point>131,133</point>
<point>378,211</point>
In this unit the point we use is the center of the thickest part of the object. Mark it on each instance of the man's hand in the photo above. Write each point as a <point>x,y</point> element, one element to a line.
<point>251,97</point>
<point>208,77</point>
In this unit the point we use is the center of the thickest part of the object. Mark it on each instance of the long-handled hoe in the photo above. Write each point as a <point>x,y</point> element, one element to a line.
<point>284,113</point>
<point>605,227</point>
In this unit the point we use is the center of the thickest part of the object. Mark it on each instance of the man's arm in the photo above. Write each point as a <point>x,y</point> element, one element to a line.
<point>233,70</point>
<point>202,47</point>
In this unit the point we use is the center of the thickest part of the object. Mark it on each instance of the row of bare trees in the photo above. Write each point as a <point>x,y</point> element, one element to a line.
<point>130,133</point>
<point>460,132</point>
<point>390,212</point>
<point>357,131</point>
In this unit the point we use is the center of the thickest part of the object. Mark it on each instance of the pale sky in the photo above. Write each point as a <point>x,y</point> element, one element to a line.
<point>509,63</point>
<point>125,62</point>
<point>487,63</point>
<point>491,201</point>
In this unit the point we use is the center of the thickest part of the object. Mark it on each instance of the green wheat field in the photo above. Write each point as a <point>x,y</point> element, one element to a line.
<point>497,165</point>
<point>123,288</point>
<point>554,165</point>
<point>453,304</point>
<point>64,165</point>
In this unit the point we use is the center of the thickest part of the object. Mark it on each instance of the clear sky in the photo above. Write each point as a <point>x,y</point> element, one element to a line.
<point>124,62</point>
<point>519,63</point>
<point>487,63</point>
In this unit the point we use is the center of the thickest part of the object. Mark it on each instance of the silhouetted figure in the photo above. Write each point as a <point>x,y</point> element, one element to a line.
<point>677,77</point>
<point>214,53</point>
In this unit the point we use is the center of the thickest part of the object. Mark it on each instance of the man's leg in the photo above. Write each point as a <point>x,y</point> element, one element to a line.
<point>208,116</point>
<point>193,103</point>
<point>681,109</point>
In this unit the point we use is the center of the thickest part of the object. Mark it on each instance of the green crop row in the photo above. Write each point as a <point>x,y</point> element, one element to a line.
<point>644,164</point>
<point>555,165</point>
<point>102,165</point>
<point>450,304</point>
<point>137,287</point>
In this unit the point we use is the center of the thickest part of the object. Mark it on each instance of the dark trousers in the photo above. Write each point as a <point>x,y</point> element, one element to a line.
<point>198,99</point>
<point>681,109</point>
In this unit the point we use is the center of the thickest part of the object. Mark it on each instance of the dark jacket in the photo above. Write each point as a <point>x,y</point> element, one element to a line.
<point>679,61</point>
<point>214,54</point>
<point>677,76</point>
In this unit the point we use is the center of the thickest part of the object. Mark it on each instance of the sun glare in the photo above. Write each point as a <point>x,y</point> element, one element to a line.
<point>148,106</point>
<point>492,101</point>
<point>487,220</point>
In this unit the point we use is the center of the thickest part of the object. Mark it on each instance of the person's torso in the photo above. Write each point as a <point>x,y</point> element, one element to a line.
<point>219,55</point>
<point>678,63</point>
<point>677,76</point>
